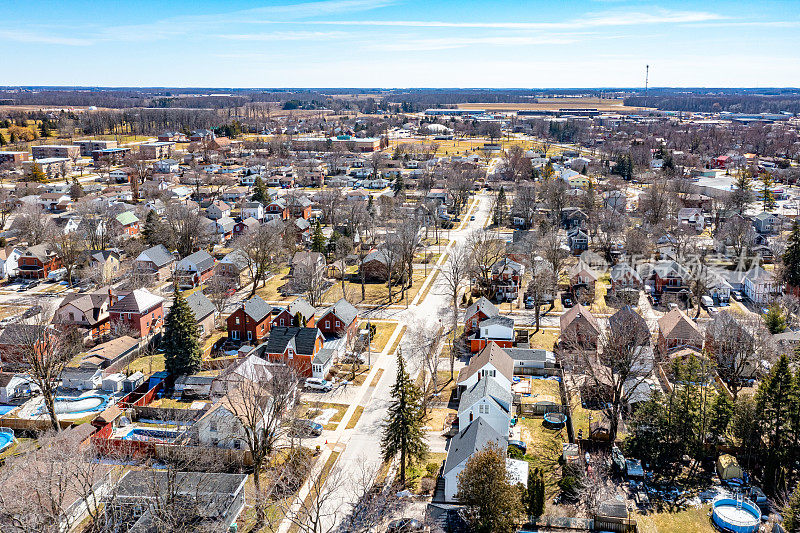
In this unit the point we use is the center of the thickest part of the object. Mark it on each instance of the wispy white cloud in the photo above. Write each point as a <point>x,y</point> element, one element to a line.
<point>287,36</point>
<point>591,21</point>
<point>431,44</point>
<point>20,36</point>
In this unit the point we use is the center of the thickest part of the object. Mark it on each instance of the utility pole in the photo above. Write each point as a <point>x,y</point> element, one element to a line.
<point>646,78</point>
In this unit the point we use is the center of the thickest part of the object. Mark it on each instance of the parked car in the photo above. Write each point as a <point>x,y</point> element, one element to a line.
<point>472,217</point>
<point>707,301</point>
<point>529,303</point>
<point>566,300</point>
<point>318,384</point>
<point>307,428</point>
<point>404,525</point>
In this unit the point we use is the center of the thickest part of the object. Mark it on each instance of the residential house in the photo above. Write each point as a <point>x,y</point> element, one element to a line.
<point>299,206</point>
<point>488,400</point>
<point>579,328</point>
<point>479,311</point>
<point>88,312</point>
<point>376,266</point>
<point>156,150</point>
<point>166,166</point>
<point>761,286</point>
<point>54,201</point>
<point>155,263</point>
<point>194,270</point>
<point>252,368</point>
<point>322,363</point>
<point>531,361</point>
<point>577,240</point>
<point>128,223</point>
<point>209,501</point>
<point>233,268</point>
<point>625,278</point>
<point>463,445</point>
<point>296,346</point>
<point>733,345</point>
<point>250,322</point>
<point>9,261</point>
<point>141,310</point>
<point>234,194</point>
<point>105,263</point>
<point>573,217</point>
<point>498,330</point>
<point>16,387</point>
<point>668,276</point>
<point>37,261</point>
<point>253,210</point>
<point>615,199</point>
<point>492,361</point>
<point>217,210</point>
<point>306,260</point>
<point>300,308</point>
<point>692,217</point>
<point>506,277</point>
<point>677,331</point>
<point>340,319</point>
<point>766,223</point>
<point>204,312</point>
<point>276,209</point>
<point>582,278</point>
<point>226,423</point>
<point>222,228</point>
<point>626,325</point>
<point>248,224</point>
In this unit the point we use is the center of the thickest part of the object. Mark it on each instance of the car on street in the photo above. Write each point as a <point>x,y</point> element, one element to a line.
<point>530,303</point>
<point>318,384</point>
<point>707,301</point>
<point>737,295</point>
<point>404,525</point>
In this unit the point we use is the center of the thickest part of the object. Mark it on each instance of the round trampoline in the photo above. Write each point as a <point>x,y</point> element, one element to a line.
<point>555,420</point>
<point>737,515</point>
<point>6,438</point>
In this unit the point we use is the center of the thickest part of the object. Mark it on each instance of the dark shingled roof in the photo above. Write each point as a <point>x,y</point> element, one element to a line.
<point>200,305</point>
<point>469,440</point>
<point>304,340</point>
<point>159,255</point>
<point>256,308</point>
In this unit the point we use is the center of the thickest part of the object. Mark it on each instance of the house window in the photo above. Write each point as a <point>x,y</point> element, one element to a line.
<point>235,335</point>
<point>237,320</point>
<point>483,409</point>
<point>291,353</point>
<point>327,324</point>
<point>281,321</point>
<point>338,324</point>
<point>249,335</point>
<point>72,316</point>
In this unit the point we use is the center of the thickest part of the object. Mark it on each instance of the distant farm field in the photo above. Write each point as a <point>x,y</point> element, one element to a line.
<point>550,104</point>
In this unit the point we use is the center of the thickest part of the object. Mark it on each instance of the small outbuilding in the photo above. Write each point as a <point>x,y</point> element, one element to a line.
<point>728,467</point>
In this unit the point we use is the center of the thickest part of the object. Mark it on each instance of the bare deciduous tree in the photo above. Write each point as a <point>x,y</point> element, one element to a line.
<point>263,249</point>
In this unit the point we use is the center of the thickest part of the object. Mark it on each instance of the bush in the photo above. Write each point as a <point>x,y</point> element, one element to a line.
<point>515,453</point>
<point>570,487</point>
<point>427,485</point>
<point>432,469</point>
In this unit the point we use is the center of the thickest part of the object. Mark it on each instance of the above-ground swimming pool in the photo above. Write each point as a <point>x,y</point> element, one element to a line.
<point>6,438</point>
<point>739,516</point>
<point>151,435</point>
<point>85,404</point>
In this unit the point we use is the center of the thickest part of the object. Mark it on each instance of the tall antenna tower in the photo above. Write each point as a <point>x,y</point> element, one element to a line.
<point>646,78</point>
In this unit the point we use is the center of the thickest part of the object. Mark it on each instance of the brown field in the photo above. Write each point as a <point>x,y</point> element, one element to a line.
<point>604,104</point>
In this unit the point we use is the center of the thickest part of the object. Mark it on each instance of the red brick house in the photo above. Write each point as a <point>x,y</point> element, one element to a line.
<point>128,223</point>
<point>294,346</point>
<point>477,313</point>
<point>251,322</point>
<point>298,307</point>
<point>339,320</point>
<point>37,261</point>
<point>299,206</point>
<point>194,269</point>
<point>579,327</point>
<point>141,310</point>
<point>276,209</point>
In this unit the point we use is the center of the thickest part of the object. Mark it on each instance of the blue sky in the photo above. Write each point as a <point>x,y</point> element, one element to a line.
<point>400,43</point>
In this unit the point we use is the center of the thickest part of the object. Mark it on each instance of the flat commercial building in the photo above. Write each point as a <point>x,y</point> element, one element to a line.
<point>55,150</point>
<point>53,167</point>
<point>13,157</point>
<point>88,146</point>
<point>157,150</point>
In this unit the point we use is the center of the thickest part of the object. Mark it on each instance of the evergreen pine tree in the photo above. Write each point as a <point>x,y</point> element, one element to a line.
<point>37,174</point>
<point>13,137</point>
<point>791,513</point>
<point>583,170</point>
<point>398,184</point>
<point>402,432</point>
<point>76,190</point>
<point>260,193</point>
<point>181,340</point>
<point>767,196</point>
<point>791,258</point>
<point>775,320</point>
<point>774,400</point>
<point>318,240</point>
<point>721,414</point>
<point>152,230</point>
<point>44,129</point>
<point>499,215</point>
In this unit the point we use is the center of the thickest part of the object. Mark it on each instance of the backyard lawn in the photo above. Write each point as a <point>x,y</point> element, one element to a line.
<point>269,291</point>
<point>692,519</point>
<point>544,338</point>
<point>376,293</point>
<point>437,418</point>
<point>148,364</point>
<point>544,448</point>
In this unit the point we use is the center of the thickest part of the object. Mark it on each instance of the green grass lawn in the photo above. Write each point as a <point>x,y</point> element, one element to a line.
<point>269,291</point>
<point>544,449</point>
<point>356,416</point>
<point>543,390</point>
<point>397,340</point>
<point>692,519</point>
<point>544,338</point>
<point>148,364</point>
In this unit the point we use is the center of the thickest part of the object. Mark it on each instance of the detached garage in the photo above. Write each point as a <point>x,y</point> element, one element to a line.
<point>728,467</point>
